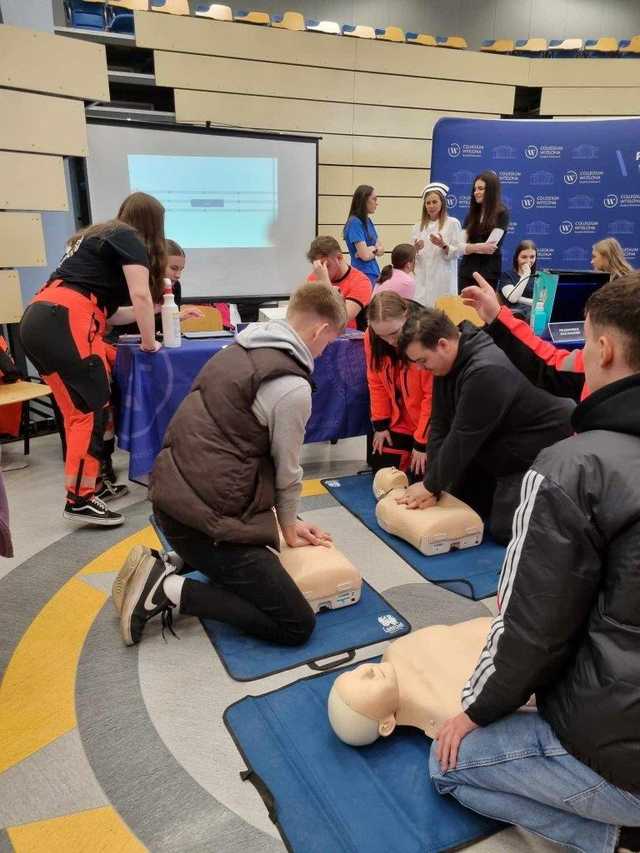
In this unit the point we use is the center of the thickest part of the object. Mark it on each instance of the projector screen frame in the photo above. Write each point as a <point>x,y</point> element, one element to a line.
<point>85,217</point>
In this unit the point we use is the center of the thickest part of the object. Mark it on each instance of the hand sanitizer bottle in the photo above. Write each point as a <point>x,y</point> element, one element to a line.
<point>170,313</point>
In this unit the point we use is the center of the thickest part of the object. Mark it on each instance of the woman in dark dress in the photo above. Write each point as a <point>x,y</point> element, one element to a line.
<point>484,229</point>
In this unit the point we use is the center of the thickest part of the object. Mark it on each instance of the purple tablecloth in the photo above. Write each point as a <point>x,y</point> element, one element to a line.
<point>149,389</point>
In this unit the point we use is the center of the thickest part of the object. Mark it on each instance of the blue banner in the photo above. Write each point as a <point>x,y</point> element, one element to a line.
<point>567,184</point>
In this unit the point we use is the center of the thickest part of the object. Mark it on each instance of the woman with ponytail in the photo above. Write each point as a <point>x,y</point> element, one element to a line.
<point>398,275</point>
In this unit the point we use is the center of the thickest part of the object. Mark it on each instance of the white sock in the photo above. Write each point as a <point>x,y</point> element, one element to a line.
<point>172,586</point>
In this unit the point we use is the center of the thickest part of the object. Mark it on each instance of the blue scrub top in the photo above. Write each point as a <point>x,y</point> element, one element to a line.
<point>355,232</point>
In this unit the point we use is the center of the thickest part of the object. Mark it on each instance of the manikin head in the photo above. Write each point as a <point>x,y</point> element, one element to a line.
<point>176,261</point>
<point>363,702</point>
<point>431,341</point>
<point>612,332</point>
<point>317,315</point>
<point>327,249</point>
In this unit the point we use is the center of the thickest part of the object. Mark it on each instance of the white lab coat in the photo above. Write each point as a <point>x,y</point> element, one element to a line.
<point>436,271</point>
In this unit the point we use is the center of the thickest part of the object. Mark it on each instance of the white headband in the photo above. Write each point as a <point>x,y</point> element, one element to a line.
<point>435,187</point>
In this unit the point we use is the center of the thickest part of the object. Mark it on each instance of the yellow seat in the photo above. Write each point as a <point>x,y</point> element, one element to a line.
<point>390,34</point>
<point>498,46</point>
<point>457,311</point>
<point>134,5</point>
<point>21,392</point>
<point>421,38</point>
<point>289,21</point>
<point>631,49</point>
<point>211,322</point>
<point>215,11</point>
<point>453,42</point>
<point>531,47</point>
<point>360,31</point>
<point>606,44</point>
<point>173,7</point>
<point>261,18</point>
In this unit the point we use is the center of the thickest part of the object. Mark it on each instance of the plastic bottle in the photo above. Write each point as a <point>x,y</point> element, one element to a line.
<point>170,314</point>
<point>539,319</point>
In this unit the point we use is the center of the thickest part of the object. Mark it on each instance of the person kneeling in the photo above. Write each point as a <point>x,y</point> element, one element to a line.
<point>232,452</point>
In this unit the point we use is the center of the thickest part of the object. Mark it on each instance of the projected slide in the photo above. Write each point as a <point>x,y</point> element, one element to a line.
<point>212,202</point>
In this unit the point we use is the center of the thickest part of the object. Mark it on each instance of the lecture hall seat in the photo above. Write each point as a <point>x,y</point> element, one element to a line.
<point>263,19</point>
<point>602,48</point>
<point>289,21</point>
<point>173,7</point>
<point>85,14</point>
<point>565,48</point>
<point>533,48</point>
<point>214,11</point>
<point>131,5</point>
<point>497,46</point>
<point>390,34</point>
<point>331,27</point>
<point>629,48</point>
<point>421,38</point>
<point>453,42</point>
<point>360,31</point>
<point>119,15</point>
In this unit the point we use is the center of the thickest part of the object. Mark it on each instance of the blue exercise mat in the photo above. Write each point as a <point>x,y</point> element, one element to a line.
<point>471,572</point>
<point>326,797</point>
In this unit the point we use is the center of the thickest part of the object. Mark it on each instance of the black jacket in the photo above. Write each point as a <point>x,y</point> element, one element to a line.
<point>569,594</point>
<point>485,411</point>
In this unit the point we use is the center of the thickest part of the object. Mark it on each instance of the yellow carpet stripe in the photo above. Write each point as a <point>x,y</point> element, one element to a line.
<point>111,559</point>
<point>311,488</point>
<point>93,831</point>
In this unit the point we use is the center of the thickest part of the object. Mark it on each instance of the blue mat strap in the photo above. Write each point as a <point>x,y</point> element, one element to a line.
<point>265,794</point>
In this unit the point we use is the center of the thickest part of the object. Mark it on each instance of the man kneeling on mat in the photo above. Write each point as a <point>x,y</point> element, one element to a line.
<point>231,453</point>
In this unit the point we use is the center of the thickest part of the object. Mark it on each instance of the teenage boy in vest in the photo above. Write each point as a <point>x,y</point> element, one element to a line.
<point>569,624</point>
<point>231,454</point>
<point>330,267</point>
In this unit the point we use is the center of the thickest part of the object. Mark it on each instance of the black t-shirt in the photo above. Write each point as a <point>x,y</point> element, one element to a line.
<point>94,265</point>
<point>490,266</point>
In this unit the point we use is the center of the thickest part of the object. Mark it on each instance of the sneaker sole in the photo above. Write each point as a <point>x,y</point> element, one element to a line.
<point>95,522</point>
<point>134,559</point>
<point>132,595</point>
<point>109,498</point>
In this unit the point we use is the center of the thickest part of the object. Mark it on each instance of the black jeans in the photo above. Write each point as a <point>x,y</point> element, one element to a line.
<point>495,499</point>
<point>247,588</point>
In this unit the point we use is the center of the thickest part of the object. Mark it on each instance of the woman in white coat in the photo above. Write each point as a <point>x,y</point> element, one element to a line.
<point>437,238</point>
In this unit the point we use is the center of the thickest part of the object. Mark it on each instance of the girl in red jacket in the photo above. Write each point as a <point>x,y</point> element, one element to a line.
<point>400,392</point>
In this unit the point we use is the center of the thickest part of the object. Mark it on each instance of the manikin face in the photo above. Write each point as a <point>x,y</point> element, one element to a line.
<point>478,191</point>
<point>371,690</point>
<point>433,205</point>
<point>598,261</point>
<point>389,330</point>
<point>526,257</point>
<point>175,265</point>
<point>439,360</point>
<point>372,203</point>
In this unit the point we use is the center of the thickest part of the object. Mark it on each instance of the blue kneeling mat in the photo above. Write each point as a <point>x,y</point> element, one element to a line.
<point>471,572</point>
<point>327,797</point>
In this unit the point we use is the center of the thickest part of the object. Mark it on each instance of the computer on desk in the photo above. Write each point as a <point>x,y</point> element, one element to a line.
<point>566,326</point>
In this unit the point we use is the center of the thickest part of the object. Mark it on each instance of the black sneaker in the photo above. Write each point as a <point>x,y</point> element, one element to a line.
<point>110,491</point>
<point>144,598</point>
<point>92,511</point>
<point>138,557</point>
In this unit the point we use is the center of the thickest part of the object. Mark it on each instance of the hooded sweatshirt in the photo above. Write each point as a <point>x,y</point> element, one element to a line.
<point>400,282</point>
<point>283,405</point>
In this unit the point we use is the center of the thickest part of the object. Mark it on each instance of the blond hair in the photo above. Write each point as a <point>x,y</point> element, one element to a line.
<point>613,252</point>
<point>322,300</point>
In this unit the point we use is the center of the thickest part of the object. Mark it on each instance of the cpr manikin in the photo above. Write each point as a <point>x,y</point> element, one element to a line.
<point>434,530</point>
<point>418,683</point>
<point>323,575</point>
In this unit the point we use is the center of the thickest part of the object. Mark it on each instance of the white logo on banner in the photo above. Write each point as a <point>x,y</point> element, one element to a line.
<point>528,201</point>
<point>566,226</point>
<point>454,150</point>
<point>531,152</point>
<point>570,177</point>
<point>452,201</point>
<point>610,200</point>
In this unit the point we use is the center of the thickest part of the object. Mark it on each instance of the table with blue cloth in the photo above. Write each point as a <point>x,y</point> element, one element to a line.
<point>150,387</point>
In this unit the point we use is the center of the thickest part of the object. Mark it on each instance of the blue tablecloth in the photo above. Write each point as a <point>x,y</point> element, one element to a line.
<point>149,389</point>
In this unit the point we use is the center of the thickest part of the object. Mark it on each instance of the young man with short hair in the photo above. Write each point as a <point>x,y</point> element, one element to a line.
<point>231,453</point>
<point>330,267</point>
<point>569,624</point>
<point>488,422</point>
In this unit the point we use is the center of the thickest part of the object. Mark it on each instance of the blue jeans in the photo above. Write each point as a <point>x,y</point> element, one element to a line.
<point>516,770</point>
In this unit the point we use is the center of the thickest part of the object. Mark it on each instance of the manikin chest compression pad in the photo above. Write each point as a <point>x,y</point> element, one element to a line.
<point>472,572</point>
<point>327,797</point>
<point>323,575</point>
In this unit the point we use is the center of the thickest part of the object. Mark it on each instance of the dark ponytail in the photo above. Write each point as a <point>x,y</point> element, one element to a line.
<point>385,273</point>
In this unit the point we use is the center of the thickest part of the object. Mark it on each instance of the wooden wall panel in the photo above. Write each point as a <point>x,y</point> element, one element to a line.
<point>583,72</point>
<point>216,74</point>
<point>32,182</point>
<point>336,149</point>
<point>334,209</point>
<point>594,101</point>
<point>21,240</point>
<point>393,90</point>
<point>37,123</point>
<point>11,307</point>
<point>42,62</point>
<point>342,180</point>
<point>253,111</point>
<point>218,38</point>
<point>405,122</point>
